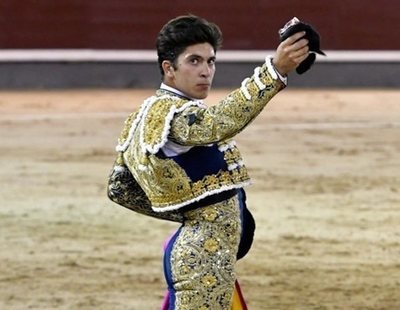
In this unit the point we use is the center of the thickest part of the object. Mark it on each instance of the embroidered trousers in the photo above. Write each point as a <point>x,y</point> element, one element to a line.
<point>200,258</point>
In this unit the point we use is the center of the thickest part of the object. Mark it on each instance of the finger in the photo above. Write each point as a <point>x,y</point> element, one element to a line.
<point>293,38</point>
<point>295,55</point>
<point>300,52</point>
<point>299,45</point>
<point>300,59</point>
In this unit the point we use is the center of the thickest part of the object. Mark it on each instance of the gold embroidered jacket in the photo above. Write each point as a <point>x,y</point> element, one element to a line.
<point>167,119</point>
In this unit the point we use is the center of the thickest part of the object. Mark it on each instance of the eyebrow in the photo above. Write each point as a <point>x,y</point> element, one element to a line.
<point>198,56</point>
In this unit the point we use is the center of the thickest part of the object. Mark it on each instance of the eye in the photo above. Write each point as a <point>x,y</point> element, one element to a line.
<point>211,61</point>
<point>194,61</point>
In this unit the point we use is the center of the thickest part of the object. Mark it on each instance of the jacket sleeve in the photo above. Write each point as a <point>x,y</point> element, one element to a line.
<point>200,126</point>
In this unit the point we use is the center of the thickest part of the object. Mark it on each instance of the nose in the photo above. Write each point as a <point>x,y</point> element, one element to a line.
<point>206,70</point>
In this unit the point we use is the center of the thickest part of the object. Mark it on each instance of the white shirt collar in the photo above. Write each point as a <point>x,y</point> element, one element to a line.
<point>174,90</point>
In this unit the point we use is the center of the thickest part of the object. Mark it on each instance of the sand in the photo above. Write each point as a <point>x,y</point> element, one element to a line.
<point>325,195</point>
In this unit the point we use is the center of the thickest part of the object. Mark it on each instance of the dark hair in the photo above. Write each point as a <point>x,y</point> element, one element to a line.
<point>183,31</point>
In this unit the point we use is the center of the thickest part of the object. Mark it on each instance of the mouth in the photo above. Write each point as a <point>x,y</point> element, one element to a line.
<point>204,85</point>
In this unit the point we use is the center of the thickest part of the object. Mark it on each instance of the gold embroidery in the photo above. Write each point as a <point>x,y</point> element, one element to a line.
<point>204,254</point>
<point>172,186</point>
<point>156,119</point>
<point>209,214</point>
<point>125,131</point>
<point>228,117</point>
<point>232,155</point>
<point>188,123</point>
<point>209,280</point>
<point>211,245</point>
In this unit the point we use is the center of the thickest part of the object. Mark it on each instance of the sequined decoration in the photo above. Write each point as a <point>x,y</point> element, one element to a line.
<point>204,255</point>
<point>168,117</point>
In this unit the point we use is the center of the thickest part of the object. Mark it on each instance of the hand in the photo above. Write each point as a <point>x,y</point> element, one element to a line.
<point>290,53</point>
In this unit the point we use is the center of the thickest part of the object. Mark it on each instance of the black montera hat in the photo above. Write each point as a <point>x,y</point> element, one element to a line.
<point>313,37</point>
<point>295,25</point>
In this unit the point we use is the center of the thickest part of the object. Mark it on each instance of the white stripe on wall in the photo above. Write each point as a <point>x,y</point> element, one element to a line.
<point>89,55</point>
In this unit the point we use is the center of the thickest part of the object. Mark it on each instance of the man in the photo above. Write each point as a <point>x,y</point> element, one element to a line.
<point>182,155</point>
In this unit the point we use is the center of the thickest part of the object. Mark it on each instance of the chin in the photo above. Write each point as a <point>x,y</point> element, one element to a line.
<point>200,96</point>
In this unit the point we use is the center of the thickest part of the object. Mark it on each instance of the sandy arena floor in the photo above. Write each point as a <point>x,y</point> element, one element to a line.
<point>326,198</point>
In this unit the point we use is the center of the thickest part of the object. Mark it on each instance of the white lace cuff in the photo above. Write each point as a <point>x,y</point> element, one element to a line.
<point>272,70</point>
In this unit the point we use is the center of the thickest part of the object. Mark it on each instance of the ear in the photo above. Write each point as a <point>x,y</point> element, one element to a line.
<point>168,68</point>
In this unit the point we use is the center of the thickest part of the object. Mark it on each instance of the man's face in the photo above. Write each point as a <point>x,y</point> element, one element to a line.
<point>194,71</point>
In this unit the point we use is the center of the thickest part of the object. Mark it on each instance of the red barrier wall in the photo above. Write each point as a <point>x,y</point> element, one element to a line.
<point>134,24</point>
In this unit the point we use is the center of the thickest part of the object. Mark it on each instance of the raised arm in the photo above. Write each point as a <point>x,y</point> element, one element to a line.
<point>196,126</point>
